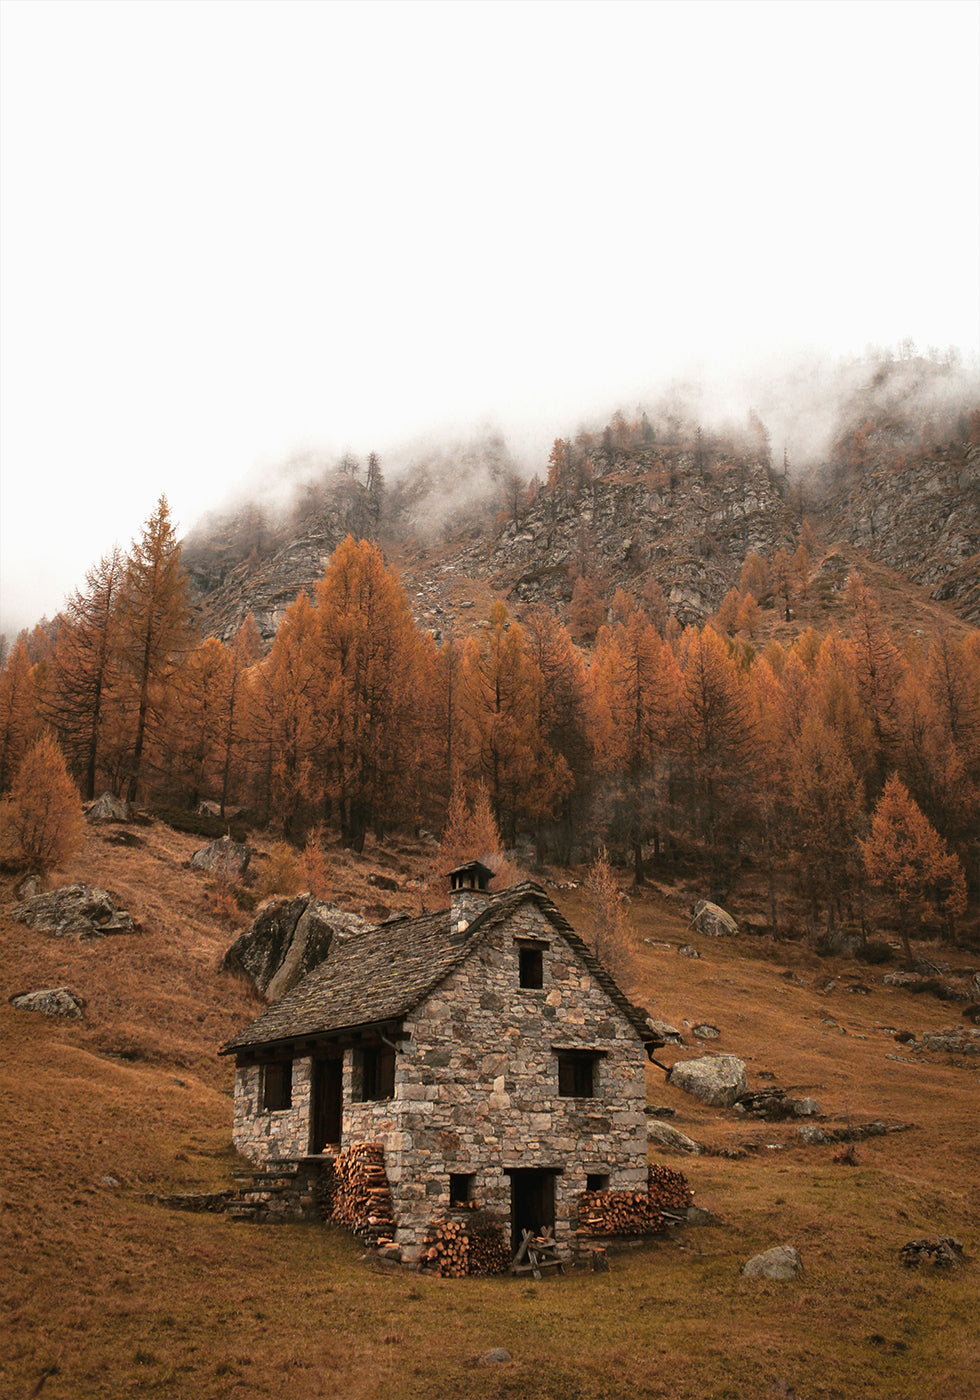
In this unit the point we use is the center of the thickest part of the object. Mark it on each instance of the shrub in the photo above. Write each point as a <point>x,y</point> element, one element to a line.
<point>874,952</point>
<point>41,823</point>
<point>283,873</point>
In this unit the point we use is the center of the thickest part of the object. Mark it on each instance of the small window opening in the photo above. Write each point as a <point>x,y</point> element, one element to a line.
<point>532,967</point>
<point>461,1188</point>
<point>597,1181</point>
<point>576,1075</point>
<point>277,1086</point>
<point>374,1076</point>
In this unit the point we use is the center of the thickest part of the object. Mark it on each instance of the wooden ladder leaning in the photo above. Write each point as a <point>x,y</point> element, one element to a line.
<point>537,1252</point>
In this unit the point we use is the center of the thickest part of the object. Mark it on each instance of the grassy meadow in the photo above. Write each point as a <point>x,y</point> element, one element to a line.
<point>106,1293</point>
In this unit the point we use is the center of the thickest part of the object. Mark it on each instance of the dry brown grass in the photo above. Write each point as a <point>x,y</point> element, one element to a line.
<point>106,1294</point>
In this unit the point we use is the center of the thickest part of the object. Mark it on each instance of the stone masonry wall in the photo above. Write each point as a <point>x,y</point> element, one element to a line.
<point>268,1137</point>
<point>476,1090</point>
<point>477,1087</point>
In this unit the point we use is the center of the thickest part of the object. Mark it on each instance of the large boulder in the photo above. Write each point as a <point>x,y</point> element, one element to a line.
<point>711,919</point>
<point>780,1262</point>
<point>714,1079</point>
<point>74,911</point>
<point>225,857</point>
<point>51,1001</point>
<point>107,809</point>
<point>287,939</point>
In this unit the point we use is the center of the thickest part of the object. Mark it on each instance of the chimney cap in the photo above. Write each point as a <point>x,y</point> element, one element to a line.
<point>473,875</point>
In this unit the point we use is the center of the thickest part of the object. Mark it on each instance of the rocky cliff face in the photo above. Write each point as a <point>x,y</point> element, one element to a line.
<point>682,518</point>
<point>921,517</point>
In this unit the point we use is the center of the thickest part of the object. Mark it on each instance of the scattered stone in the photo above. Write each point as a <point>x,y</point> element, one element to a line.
<point>781,1262</point>
<point>954,1041</point>
<point>224,857</point>
<point>688,951</point>
<point>944,1252</point>
<point>972,1013</point>
<point>74,911</point>
<point>28,887</point>
<point>669,1034</point>
<point>859,989</point>
<point>806,1108</point>
<point>661,1111</point>
<point>383,882</point>
<point>714,1079</point>
<point>110,1181</point>
<point>706,1032</point>
<point>671,1138</point>
<point>825,988</point>
<point>496,1356</point>
<point>711,919</point>
<point>52,1001</point>
<point>905,1037</point>
<point>107,809</point>
<point>771,1105</point>
<point>812,1135</point>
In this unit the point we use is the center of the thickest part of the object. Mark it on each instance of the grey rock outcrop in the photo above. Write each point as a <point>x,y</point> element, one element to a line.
<point>714,1079</point>
<point>671,1138</point>
<point>51,1001</point>
<point>107,809</point>
<point>711,920</point>
<point>224,857</point>
<point>74,911</point>
<point>780,1262</point>
<point>287,939</point>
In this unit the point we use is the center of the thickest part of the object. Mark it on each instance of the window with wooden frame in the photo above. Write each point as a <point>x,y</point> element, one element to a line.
<point>374,1073</point>
<point>277,1086</point>
<point>531,967</point>
<point>577,1074</point>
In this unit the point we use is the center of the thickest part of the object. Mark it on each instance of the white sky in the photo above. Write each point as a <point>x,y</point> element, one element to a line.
<point>232,230</point>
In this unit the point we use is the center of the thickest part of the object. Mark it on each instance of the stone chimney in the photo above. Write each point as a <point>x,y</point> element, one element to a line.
<point>470,894</point>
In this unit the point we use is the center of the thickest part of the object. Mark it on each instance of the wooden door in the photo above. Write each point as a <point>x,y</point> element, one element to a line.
<point>326,1102</point>
<point>532,1203</point>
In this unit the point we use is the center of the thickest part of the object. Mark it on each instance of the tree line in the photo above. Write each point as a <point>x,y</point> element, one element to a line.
<point>832,764</point>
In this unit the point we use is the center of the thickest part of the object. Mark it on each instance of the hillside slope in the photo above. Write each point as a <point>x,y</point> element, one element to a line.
<point>106,1292</point>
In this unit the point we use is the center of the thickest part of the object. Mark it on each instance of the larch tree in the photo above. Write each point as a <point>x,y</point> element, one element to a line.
<point>827,801</point>
<point>284,721</point>
<point>366,662</point>
<point>634,687</point>
<point>155,632</point>
<point>506,747</point>
<point>18,716</point>
<point>85,681</point>
<point>907,860</point>
<point>41,823</point>
<point>714,740</point>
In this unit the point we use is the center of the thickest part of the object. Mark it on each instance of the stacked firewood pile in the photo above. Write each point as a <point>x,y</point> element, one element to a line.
<point>634,1212</point>
<point>668,1188</point>
<point>361,1196</point>
<point>455,1248</point>
<point>618,1213</point>
<point>325,1188</point>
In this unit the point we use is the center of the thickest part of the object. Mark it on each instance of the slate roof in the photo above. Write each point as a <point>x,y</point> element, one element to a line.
<point>383,973</point>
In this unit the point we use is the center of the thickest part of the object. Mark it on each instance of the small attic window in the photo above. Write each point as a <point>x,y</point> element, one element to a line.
<point>531,963</point>
<point>277,1086</point>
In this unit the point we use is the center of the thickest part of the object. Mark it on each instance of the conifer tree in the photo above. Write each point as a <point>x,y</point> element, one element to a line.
<point>85,682</point>
<point>905,857</point>
<point>154,630</point>
<point>41,822</point>
<point>18,718</point>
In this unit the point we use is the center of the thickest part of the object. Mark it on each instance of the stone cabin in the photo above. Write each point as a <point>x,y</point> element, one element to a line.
<point>484,1046</point>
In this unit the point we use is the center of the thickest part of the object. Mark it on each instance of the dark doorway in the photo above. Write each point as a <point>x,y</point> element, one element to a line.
<point>326,1103</point>
<point>532,1203</point>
